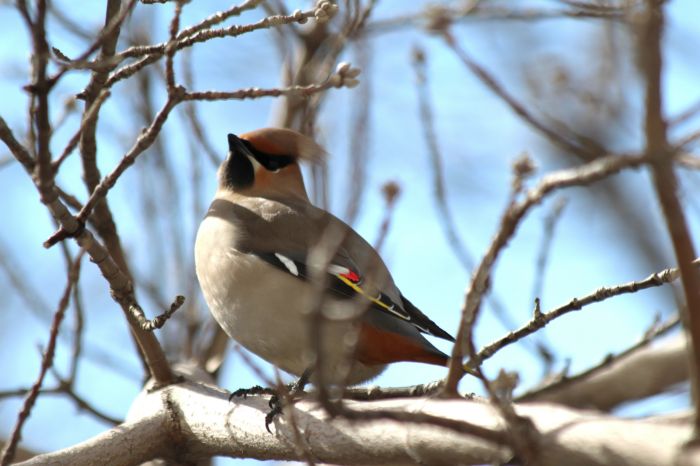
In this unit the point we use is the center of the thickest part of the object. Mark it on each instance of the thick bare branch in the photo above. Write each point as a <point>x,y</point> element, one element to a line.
<point>641,372</point>
<point>204,420</point>
<point>666,184</point>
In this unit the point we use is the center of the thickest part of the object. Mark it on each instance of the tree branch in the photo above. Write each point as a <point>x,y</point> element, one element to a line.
<point>120,285</point>
<point>642,372</point>
<point>202,418</point>
<point>46,363</point>
<point>580,176</point>
<point>540,319</point>
<point>666,185</point>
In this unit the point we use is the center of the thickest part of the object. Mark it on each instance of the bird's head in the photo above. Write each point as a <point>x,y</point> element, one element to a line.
<point>266,162</point>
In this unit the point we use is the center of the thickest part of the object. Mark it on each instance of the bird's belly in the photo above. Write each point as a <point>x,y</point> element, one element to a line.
<point>269,312</point>
<point>270,327</point>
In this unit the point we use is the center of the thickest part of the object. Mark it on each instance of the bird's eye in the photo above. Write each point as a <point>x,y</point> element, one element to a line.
<point>273,163</point>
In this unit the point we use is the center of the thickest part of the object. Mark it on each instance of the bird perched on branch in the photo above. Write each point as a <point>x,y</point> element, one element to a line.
<point>259,257</point>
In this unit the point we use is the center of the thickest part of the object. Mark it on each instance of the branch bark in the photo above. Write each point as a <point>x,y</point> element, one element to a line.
<point>186,422</point>
<point>641,374</point>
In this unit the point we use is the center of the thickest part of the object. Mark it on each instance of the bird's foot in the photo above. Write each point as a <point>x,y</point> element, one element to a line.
<point>277,401</point>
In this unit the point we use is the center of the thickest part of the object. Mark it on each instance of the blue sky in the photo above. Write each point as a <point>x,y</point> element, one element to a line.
<point>479,137</point>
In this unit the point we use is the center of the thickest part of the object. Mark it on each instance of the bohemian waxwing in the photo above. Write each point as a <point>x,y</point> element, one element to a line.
<point>251,256</point>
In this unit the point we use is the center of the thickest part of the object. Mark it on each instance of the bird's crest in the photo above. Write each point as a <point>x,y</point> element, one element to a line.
<point>285,142</point>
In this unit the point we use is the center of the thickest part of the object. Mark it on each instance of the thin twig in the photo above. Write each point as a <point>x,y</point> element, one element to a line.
<point>170,47</point>
<point>685,115</point>
<point>149,54</point>
<point>321,255</point>
<point>540,319</point>
<point>83,404</point>
<point>63,389</point>
<point>585,174</point>
<point>688,161</point>
<point>129,70</point>
<point>391,191</point>
<point>16,278</point>
<point>550,223</point>
<point>102,218</point>
<point>204,35</point>
<point>46,362</point>
<point>77,305</point>
<point>572,142</point>
<point>521,431</point>
<point>88,116</point>
<point>143,142</point>
<point>69,24</point>
<point>192,116</point>
<point>359,135</point>
<point>158,321</point>
<point>449,226</point>
<point>120,284</point>
<point>254,93</point>
<point>219,17</point>
<point>300,444</point>
<point>490,13</point>
<point>77,332</point>
<point>106,40</point>
<point>34,303</point>
<point>688,139</point>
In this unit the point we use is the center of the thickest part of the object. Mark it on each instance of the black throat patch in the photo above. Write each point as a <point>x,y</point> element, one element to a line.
<point>239,171</point>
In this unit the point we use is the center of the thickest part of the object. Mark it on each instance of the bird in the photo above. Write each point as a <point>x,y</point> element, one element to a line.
<point>255,265</point>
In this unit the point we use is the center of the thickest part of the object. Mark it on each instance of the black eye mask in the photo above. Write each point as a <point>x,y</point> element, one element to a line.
<point>270,162</point>
<point>240,173</point>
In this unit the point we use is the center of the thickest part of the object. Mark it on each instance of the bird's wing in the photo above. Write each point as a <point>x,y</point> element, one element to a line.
<point>285,233</point>
<point>345,281</point>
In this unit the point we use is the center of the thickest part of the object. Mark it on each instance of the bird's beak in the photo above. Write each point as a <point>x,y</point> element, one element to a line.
<point>236,146</point>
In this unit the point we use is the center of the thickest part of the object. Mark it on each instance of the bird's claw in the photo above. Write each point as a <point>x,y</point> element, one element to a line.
<point>255,390</point>
<point>275,402</point>
<point>275,410</point>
